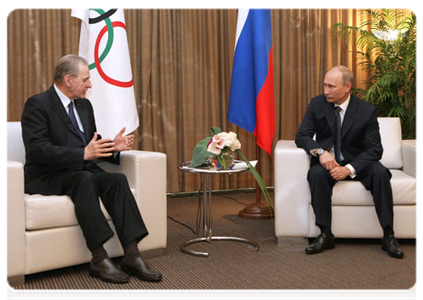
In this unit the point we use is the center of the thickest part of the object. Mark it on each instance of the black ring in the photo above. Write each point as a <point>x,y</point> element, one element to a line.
<point>102,17</point>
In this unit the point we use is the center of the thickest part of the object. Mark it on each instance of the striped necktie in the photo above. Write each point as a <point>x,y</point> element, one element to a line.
<point>338,134</point>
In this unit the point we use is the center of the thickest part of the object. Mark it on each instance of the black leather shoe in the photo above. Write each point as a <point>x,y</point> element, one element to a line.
<point>141,269</point>
<point>107,271</point>
<point>322,242</point>
<point>390,244</point>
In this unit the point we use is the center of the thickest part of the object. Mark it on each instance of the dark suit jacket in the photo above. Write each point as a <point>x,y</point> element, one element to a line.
<point>361,142</point>
<point>52,144</point>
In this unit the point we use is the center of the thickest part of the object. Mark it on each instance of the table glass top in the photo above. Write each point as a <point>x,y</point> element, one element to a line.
<point>239,166</point>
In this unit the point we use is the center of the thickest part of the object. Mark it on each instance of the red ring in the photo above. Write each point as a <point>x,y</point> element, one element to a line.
<point>124,84</point>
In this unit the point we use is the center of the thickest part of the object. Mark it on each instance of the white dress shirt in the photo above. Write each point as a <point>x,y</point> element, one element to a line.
<point>66,101</point>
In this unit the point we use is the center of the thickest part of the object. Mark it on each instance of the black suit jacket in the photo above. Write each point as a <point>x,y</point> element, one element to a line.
<point>52,144</point>
<point>361,142</point>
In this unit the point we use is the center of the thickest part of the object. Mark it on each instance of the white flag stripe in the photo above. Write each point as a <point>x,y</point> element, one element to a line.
<point>242,17</point>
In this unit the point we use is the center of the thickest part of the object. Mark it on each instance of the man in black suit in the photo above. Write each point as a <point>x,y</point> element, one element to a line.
<point>61,144</point>
<point>350,153</point>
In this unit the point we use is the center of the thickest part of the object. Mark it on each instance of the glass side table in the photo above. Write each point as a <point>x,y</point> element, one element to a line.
<point>206,173</point>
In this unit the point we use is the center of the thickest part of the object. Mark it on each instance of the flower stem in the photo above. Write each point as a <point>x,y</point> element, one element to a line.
<point>258,179</point>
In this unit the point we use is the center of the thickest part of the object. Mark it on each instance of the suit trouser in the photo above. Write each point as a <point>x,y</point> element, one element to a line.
<point>85,188</point>
<point>375,178</point>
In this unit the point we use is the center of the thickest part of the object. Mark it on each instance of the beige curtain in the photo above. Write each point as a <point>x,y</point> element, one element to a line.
<point>182,62</point>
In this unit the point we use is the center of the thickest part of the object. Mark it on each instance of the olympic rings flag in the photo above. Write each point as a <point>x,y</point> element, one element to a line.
<point>104,43</point>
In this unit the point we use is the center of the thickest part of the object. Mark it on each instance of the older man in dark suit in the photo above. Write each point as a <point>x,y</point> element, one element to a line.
<point>347,147</point>
<point>61,144</point>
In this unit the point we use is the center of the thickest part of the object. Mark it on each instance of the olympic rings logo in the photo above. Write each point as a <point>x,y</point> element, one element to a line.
<point>109,28</point>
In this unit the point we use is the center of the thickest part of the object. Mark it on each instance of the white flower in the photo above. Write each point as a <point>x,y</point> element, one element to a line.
<point>230,138</point>
<point>232,141</point>
<point>235,145</point>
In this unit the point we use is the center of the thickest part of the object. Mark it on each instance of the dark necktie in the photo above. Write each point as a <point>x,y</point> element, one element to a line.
<point>338,134</point>
<point>75,123</point>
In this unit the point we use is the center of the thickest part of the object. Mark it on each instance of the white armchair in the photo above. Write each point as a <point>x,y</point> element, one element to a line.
<point>353,212</point>
<point>42,231</point>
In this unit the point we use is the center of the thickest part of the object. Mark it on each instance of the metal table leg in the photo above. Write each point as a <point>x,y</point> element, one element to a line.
<point>207,224</point>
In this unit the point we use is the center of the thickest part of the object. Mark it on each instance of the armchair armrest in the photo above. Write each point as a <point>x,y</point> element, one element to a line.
<point>292,194</point>
<point>16,245</point>
<point>409,157</point>
<point>146,173</point>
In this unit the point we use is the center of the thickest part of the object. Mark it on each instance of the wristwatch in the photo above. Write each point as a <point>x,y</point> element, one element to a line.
<point>317,152</point>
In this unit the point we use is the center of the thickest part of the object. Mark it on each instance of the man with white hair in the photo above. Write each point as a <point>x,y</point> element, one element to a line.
<point>61,144</point>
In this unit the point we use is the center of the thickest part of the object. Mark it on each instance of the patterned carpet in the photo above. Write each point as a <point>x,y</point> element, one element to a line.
<point>353,264</point>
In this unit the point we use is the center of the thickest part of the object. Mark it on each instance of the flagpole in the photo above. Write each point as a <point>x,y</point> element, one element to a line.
<point>257,210</point>
<point>251,98</point>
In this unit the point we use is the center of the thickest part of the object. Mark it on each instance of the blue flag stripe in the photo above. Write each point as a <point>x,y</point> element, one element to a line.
<point>250,69</point>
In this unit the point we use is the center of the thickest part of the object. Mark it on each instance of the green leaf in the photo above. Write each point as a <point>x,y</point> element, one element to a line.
<point>258,179</point>
<point>200,152</point>
<point>215,130</point>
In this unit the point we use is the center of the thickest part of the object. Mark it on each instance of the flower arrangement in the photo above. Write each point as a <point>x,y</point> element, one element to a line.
<point>223,145</point>
<point>218,149</point>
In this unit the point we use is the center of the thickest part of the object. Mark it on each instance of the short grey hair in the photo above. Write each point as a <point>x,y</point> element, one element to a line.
<point>347,75</point>
<point>68,65</point>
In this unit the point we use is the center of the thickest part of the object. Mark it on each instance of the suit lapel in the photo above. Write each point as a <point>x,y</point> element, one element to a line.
<point>329,111</point>
<point>350,116</point>
<point>58,108</point>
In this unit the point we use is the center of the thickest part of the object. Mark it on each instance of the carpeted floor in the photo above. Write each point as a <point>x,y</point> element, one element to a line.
<point>353,264</point>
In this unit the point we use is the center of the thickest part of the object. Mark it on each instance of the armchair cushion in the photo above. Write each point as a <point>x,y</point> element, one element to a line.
<point>53,211</point>
<point>353,193</point>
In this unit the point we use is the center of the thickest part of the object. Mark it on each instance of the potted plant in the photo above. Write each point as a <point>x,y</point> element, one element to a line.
<point>387,42</point>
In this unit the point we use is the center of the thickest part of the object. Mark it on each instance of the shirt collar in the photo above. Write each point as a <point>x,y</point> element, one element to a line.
<point>65,100</point>
<point>344,105</point>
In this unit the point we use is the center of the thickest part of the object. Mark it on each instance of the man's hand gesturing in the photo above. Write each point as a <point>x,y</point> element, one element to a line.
<point>98,148</point>
<point>123,143</point>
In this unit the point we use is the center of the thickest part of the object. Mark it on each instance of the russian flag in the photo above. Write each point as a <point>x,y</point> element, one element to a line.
<point>251,99</point>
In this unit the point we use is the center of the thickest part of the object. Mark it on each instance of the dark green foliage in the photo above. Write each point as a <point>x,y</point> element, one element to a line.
<point>387,42</point>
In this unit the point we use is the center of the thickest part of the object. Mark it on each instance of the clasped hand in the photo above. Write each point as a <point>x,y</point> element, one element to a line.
<point>105,147</point>
<point>337,171</point>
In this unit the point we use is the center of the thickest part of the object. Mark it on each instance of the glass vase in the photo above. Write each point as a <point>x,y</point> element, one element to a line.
<point>225,160</point>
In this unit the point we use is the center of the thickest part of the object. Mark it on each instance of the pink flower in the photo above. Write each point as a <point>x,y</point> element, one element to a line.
<point>213,149</point>
<point>220,141</point>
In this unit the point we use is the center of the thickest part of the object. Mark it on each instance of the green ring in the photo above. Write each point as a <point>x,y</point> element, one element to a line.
<point>110,38</point>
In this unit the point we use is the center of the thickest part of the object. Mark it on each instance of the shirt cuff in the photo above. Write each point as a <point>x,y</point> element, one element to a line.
<point>313,151</point>
<point>352,170</point>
